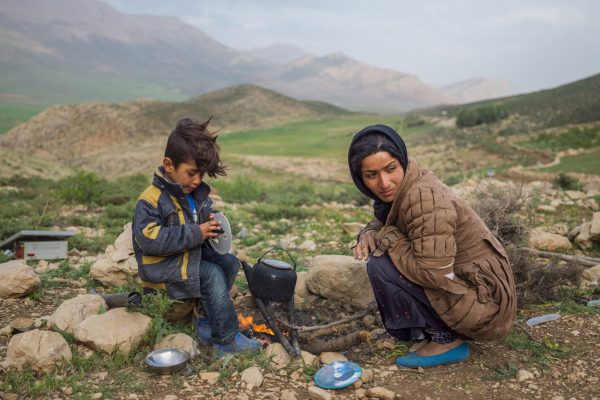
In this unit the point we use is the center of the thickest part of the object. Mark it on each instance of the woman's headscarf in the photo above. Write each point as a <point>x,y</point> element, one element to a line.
<point>395,147</point>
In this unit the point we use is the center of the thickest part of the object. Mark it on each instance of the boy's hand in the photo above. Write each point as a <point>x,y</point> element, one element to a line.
<point>210,228</point>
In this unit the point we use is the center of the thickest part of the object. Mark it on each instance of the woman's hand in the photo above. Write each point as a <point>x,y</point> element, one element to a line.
<point>210,228</point>
<point>366,245</point>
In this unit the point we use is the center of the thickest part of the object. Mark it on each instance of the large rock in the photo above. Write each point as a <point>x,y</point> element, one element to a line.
<point>340,278</point>
<point>17,279</point>
<point>117,266</point>
<point>116,330</point>
<point>584,237</point>
<point>37,350</point>
<point>74,311</point>
<point>252,376</point>
<point>590,277</point>
<point>179,341</point>
<point>279,357</point>
<point>595,227</point>
<point>113,274</point>
<point>542,240</point>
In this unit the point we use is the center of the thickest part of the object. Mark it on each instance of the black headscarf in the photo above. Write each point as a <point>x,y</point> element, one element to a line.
<point>398,151</point>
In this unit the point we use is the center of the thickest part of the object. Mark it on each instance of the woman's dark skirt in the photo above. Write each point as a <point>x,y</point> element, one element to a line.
<point>404,307</point>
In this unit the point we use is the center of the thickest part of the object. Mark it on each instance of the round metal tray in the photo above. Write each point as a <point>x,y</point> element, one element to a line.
<point>167,361</point>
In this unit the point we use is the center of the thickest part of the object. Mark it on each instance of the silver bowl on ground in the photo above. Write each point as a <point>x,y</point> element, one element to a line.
<point>167,361</point>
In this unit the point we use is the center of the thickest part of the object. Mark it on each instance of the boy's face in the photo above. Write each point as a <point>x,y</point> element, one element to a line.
<point>186,173</point>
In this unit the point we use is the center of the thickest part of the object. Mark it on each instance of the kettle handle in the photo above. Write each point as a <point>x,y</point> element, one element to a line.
<point>278,248</point>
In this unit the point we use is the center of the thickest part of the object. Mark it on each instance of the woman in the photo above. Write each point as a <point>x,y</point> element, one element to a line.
<point>438,273</point>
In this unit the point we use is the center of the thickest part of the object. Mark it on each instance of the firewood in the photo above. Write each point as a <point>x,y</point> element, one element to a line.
<point>337,344</point>
<point>301,328</point>
<point>327,331</point>
<point>583,260</point>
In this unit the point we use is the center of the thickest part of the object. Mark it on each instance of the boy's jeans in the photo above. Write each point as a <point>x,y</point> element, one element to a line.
<point>217,275</point>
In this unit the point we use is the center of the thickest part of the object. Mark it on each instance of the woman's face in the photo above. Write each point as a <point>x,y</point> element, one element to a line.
<point>382,174</point>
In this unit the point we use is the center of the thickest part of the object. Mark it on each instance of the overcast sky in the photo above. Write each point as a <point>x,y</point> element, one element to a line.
<point>529,44</point>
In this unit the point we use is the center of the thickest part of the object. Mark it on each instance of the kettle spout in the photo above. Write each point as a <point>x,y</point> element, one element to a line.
<point>248,271</point>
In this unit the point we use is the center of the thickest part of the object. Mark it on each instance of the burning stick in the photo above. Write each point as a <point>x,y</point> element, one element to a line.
<point>282,339</point>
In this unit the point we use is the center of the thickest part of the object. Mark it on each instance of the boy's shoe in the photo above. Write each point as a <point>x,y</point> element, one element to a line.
<point>204,331</point>
<point>455,355</point>
<point>239,344</point>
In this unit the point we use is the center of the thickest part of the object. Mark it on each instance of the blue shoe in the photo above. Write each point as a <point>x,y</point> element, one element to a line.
<point>204,331</point>
<point>455,355</point>
<point>239,344</point>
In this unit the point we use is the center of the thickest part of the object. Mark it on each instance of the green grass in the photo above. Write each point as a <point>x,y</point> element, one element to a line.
<point>583,163</point>
<point>574,138</point>
<point>315,139</point>
<point>12,114</point>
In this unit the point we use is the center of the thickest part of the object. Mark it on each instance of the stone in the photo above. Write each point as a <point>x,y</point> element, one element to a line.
<point>179,341</point>
<point>114,274</point>
<point>38,350</point>
<point>252,377</point>
<point>558,229</point>
<point>73,311</point>
<point>125,240</point>
<point>369,320</point>
<point>309,358</point>
<point>360,393</point>
<point>541,240</point>
<point>584,237</point>
<point>340,278</point>
<point>209,377</point>
<point>22,324</point>
<point>379,392</point>
<point>17,279</point>
<point>308,245</point>
<point>279,357</point>
<point>575,194</point>
<point>524,375</point>
<point>590,277</point>
<point>352,228</point>
<point>367,376</point>
<point>116,330</point>
<point>7,330</point>
<point>595,226</point>
<point>301,290</point>
<point>287,394</point>
<point>316,393</point>
<point>547,208</point>
<point>329,356</point>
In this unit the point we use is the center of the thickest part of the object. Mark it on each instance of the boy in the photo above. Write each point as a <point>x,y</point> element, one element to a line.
<point>173,218</point>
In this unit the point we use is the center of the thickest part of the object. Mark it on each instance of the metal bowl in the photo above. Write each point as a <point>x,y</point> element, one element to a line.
<point>167,361</point>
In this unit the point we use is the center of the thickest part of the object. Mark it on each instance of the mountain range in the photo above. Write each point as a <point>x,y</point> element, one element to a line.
<point>65,51</point>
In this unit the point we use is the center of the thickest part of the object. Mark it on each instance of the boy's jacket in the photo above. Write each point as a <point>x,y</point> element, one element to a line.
<point>166,240</point>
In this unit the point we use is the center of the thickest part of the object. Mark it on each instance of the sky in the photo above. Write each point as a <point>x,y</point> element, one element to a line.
<point>529,44</point>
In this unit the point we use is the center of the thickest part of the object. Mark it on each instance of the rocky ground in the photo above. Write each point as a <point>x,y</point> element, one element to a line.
<point>555,360</point>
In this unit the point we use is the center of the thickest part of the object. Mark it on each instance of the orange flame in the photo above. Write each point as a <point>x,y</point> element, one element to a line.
<point>248,322</point>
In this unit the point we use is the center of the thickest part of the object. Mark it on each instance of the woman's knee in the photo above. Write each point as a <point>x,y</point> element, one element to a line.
<point>380,269</point>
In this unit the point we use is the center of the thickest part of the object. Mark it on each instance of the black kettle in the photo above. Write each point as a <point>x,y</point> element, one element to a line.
<point>270,279</point>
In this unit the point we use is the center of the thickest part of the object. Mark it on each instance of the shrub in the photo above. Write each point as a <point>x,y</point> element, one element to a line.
<point>566,182</point>
<point>81,187</point>
<point>481,115</point>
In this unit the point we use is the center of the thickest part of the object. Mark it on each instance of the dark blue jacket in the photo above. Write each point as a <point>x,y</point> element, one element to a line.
<point>166,240</point>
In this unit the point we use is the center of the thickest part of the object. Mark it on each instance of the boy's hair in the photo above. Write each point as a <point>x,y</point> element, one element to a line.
<point>190,140</point>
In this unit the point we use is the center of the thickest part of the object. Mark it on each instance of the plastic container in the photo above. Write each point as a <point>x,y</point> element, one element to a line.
<point>541,319</point>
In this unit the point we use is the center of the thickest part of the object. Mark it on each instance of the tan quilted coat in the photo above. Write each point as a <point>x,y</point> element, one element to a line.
<point>437,241</point>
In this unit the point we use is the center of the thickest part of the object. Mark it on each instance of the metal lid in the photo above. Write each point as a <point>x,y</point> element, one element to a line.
<point>337,375</point>
<point>222,242</point>
<point>277,263</point>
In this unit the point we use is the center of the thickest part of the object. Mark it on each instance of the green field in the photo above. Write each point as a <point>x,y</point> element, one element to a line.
<point>315,139</point>
<point>12,114</point>
<point>584,163</point>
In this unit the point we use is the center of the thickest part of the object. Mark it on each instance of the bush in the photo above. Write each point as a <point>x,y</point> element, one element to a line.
<point>81,187</point>
<point>566,182</point>
<point>481,115</point>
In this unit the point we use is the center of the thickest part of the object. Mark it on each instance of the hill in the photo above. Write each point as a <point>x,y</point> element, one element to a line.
<point>97,135</point>
<point>573,103</point>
